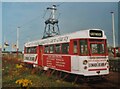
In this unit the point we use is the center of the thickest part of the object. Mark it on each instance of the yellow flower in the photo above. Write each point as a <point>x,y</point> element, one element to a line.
<point>18,66</point>
<point>24,82</point>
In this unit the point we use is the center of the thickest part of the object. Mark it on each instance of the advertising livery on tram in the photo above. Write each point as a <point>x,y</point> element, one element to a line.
<point>83,53</point>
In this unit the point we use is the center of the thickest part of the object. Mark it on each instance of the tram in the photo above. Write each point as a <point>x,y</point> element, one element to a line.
<point>83,53</point>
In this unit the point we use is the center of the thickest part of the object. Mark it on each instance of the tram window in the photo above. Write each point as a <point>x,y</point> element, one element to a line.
<point>31,50</point>
<point>28,50</point>
<point>46,49</point>
<point>57,48</point>
<point>83,47</point>
<point>75,47</point>
<point>51,48</point>
<point>65,48</point>
<point>97,48</point>
<point>34,50</point>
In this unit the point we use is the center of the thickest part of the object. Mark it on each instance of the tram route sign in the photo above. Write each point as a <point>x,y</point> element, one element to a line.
<point>95,33</point>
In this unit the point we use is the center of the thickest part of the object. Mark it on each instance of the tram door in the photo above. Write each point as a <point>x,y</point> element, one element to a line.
<point>40,61</point>
<point>75,57</point>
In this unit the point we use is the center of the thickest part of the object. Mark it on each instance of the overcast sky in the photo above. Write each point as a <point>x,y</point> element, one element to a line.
<point>74,16</point>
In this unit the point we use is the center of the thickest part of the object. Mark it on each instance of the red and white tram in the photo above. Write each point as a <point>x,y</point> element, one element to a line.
<point>82,52</point>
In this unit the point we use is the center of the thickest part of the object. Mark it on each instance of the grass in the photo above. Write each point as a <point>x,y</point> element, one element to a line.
<point>10,73</point>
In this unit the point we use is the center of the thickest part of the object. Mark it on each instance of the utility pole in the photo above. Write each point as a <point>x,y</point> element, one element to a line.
<point>113,33</point>
<point>17,40</point>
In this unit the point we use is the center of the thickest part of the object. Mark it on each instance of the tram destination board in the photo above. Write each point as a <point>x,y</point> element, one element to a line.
<point>95,33</point>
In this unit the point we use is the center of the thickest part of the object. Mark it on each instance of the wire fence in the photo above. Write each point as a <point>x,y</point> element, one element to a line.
<point>114,64</point>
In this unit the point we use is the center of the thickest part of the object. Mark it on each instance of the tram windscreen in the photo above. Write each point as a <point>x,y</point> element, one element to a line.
<point>97,48</point>
<point>83,47</point>
<point>92,47</point>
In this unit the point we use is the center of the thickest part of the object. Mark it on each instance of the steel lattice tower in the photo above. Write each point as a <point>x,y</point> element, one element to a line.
<point>51,24</point>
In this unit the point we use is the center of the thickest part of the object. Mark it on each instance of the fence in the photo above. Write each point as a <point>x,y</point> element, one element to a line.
<point>13,55</point>
<point>114,65</point>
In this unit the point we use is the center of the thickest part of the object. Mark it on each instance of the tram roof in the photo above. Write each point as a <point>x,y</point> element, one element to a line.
<point>65,38</point>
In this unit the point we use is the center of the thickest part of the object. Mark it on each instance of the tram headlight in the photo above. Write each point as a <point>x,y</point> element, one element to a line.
<point>85,62</point>
<point>85,67</point>
<point>108,64</point>
<point>107,60</point>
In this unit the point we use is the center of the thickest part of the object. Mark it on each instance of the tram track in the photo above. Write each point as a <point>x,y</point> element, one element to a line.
<point>111,82</point>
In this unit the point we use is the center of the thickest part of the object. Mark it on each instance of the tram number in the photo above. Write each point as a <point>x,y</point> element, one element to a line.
<point>96,64</point>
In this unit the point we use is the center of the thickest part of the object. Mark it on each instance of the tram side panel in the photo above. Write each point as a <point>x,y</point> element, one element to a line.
<point>57,62</point>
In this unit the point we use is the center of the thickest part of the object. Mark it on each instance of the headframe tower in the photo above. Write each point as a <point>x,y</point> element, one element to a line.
<point>51,24</point>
